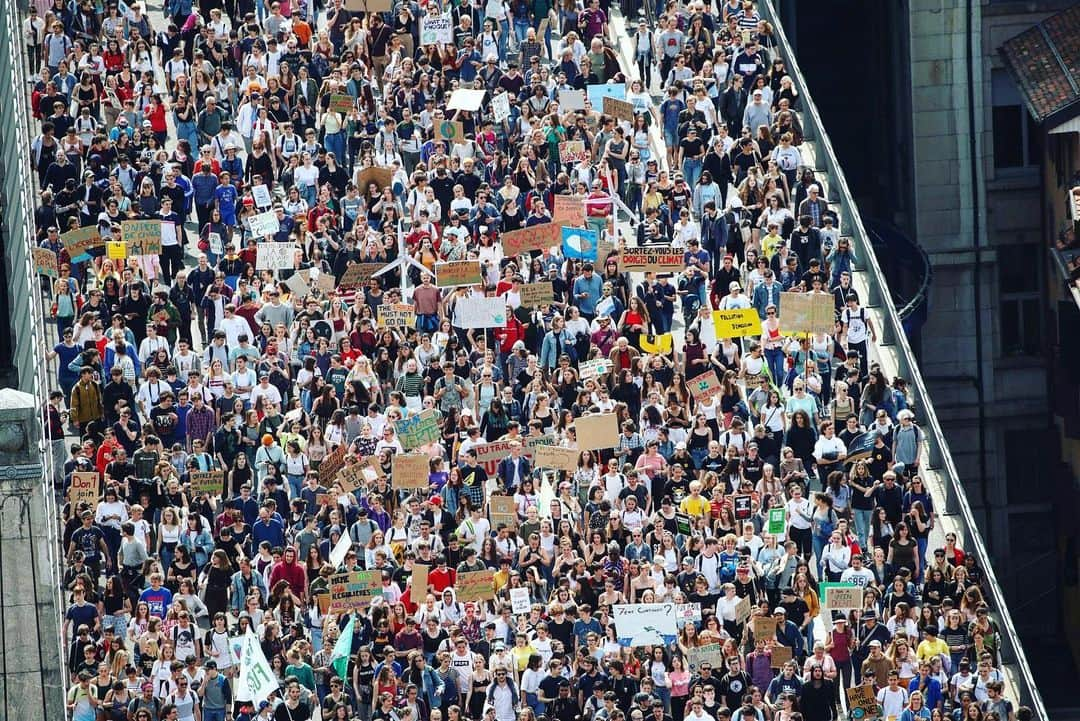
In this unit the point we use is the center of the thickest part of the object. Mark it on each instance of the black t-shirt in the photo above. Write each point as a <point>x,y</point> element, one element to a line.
<point>692,147</point>
<point>88,540</point>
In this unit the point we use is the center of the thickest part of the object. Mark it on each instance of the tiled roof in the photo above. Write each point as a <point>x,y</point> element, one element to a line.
<point>1045,61</point>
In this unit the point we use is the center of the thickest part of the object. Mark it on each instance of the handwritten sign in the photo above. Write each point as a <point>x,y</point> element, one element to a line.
<point>212,482</point>
<point>264,224</point>
<point>419,580</point>
<point>763,626</point>
<point>535,237</point>
<point>644,624</point>
<point>500,107</point>
<point>687,613</point>
<point>712,654</point>
<point>331,464</point>
<point>737,323</point>
<point>519,601</point>
<point>437,29</point>
<point>743,610</point>
<point>480,313</point>
<point>116,249</point>
<point>143,237</point>
<point>298,285</point>
<point>503,511</point>
<point>537,293</point>
<point>862,703</point>
<point>85,488</point>
<point>841,597</point>
<point>494,451</point>
<point>560,459</point>
<point>590,369</point>
<point>572,100</point>
<point>779,656</point>
<point>354,591</point>
<point>261,195</point>
<point>475,586</point>
<point>343,104</point>
<point>418,429</point>
<point>598,431</point>
<point>573,151</point>
<point>45,262</point>
<point>568,209</point>
<point>357,274</point>
<point>458,272</point>
<point>410,471</point>
<point>274,256</point>
<point>397,315</point>
<point>79,242</point>
<point>619,109</point>
<point>705,386</point>
<point>807,312</point>
<point>449,130</point>
<point>651,260</point>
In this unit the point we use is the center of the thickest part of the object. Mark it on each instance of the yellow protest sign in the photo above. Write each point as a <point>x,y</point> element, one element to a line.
<point>736,323</point>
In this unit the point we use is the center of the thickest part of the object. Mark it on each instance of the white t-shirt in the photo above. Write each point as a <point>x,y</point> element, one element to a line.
<point>892,702</point>
<point>857,331</point>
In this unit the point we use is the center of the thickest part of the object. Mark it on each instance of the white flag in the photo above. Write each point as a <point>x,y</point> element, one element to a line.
<point>337,556</point>
<point>256,680</point>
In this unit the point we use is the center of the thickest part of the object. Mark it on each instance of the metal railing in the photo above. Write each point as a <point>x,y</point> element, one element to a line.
<point>893,334</point>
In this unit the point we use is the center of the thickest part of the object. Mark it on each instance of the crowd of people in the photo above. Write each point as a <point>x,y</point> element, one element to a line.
<point>336,132</point>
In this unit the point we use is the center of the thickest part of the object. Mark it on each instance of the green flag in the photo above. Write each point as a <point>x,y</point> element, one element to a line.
<point>339,659</point>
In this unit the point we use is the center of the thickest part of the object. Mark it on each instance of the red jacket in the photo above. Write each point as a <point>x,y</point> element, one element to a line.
<point>512,332</point>
<point>292,573</point>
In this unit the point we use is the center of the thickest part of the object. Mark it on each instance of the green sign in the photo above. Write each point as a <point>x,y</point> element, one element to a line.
<point>776,521</point>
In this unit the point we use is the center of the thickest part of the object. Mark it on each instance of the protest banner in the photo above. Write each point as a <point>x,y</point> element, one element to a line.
<point>568,210</point>
<point>597,432</point>
<point>437,29</point>
<point>410,471</point>
<point>116,249</point>
<point>79,242</point>
<point>683,524</point>
<point>503,511</point>
<point>274,256</point>
<point>737,323</point>
<point>763,627</point>
<point>596,367</point>
<point>355,275</point>
<point>480,313</point>
<point>777,521</point>
<point>861,447</point>
<point>743,610</point>
<point>339,103</point>
<point>711,653</point>
<point>779,656</point>
<point>84,488</point>
<point>261,194</point>
<point>535,237</point>
<point>45,262</point>
<point>325,282</point>
<point>381,177</point>
<point>500,107</point>
<point>573,151</point>
<point>554,457</point>
<point>264,224</point>
<point>453,273</point>
<point>420,578</point>
<point>475,586</point>
<point>142,237</point>
<point>354,591</point>
<point>256,679</point>
<point>397,315</point>
<point>742,506</point>
<point>571,100</point>
<point>619,109</point>
<point>644,624</point>
<point>841,597</point>
<point>705,386</point>
<point>340,551</point>
<point>598,91</point>
<point>466,99</point>
<point>212,482</point>
<point>330,465</point>
<point>687,613</point>
<point>217,247</point>
<point>494,451</point>
<point>298,285</point>
<point>807,313</point>
<point>418,429</point>
<point>449,130</point>
<point>369,6</point>
<point>661,259</point>
<point>519,601</point>
<point>533,294</point>
<point>862,703</point>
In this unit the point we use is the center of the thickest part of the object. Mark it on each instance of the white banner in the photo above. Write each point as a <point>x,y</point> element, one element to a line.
<point>274,256</point>
<point>480,313</point>
<point>256,680</point>
<point>645,624</point>
<point>261,195</point>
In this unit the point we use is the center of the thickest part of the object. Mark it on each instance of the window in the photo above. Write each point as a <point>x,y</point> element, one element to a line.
<point>1017,138</point>
<point>1018,296</point>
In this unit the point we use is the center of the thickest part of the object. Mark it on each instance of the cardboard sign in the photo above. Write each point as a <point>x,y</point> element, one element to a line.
<point>78,242</point>
<point>212,482</point>
<point>661,259</point>
<point>536,237</point>
<point>397,315</point>
<point>862,703</point>
<point>494,451</point>
<point>356,274</point>
<point>381,177</point>
<point>274,256</point>
<point>475,586</point>
<point>554,457</point>
<point>711,653</point>
<point>503,511</point>
<point>842,597</point>
<point>777,521</point>
<point>410,471</point>
<point>349,477</point>
<point>571,100</point>
<point>593,368</point>
<point>437,29</point>
<point>450,130</point>
<point>807,312</point>
<point>619,109</point>
<point>531,443</point>
<point>480,313</point>
<point>298,285</point>
<point>264,224</point>
<point>533,294</point>
<point>466,99</point>
<point>568,209</point>
<point>325,282</point>
<point>737,323</point>
<point>763,626</point>
<point>597,431</point>
<point>143,237</point>
<point>573,151</point>
<point>452,273</point>
<point>418,429</point>
<point>742,506</point>
<point>331,464</point>
<point>45,262</point>
<point>343,104</point>
<point>500,107</point>
<point>85,488</point>
<point>354,591</point>
<point>369,6</point>
<point>779,656</point>
<point>705,386</point>
<point>419,580</point>
<point>743,610</point>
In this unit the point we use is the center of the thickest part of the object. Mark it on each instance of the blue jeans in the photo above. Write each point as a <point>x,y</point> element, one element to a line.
<point>296,482</point>
<point>532,700</point>
<point>862,525</point>
<point>775,358</point>
<point>521,29</point>
<point>692,171</point>
<point>213,714</point>
<point>335,143</point>
<point>188,131</point>
<point>819,544</point>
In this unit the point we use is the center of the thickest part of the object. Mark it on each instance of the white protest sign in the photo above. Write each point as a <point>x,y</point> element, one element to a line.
<point>436,29</point>
<point>645,624</point>
<point>337,556</point>
<point>264,224</point>
<point>466,99</point>
<point>500,107</point>
<point>216,246</point>
<point>256,680</point>
<point>480,313</point>
<point>261,195</point>
<point>274,256</point>
<point>519,601</point>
